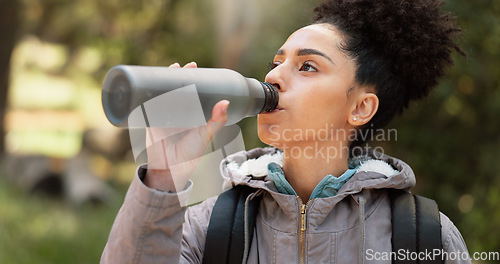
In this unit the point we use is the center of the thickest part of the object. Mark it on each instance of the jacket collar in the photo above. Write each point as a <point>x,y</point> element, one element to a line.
<point>375,170</point>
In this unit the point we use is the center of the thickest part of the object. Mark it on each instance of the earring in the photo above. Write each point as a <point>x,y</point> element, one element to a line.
<point>354,118</point>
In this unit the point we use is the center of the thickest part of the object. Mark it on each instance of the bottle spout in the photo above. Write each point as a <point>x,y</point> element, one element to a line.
<point>271,97</point>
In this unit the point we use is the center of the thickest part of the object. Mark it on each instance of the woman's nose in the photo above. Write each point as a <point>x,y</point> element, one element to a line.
<point>275,77</point>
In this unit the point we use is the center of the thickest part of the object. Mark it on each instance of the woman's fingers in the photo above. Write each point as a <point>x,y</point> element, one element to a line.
<point>188,65</point>
<point>195,142</point>
<point>190,143</point>
<point>218,119</point>
<point>219,112</point>
<point>191,65</point>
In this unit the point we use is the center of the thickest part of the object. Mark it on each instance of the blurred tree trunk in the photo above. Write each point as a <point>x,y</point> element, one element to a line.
<point>9,25</point>
<point>236,24</point>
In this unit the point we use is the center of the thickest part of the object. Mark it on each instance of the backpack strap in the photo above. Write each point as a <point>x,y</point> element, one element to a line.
<point>416,227</point>
<point>226,234</point>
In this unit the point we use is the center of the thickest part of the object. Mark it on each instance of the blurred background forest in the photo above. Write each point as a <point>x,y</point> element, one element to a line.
<point>65,169</point>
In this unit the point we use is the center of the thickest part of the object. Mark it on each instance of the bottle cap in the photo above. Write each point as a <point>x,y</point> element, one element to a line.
<point>271,99</point>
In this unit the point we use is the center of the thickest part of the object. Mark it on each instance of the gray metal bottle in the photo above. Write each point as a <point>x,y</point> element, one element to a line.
<point>168,97</point>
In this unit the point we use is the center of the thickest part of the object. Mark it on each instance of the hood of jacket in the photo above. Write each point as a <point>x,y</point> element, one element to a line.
<point>375,170</point>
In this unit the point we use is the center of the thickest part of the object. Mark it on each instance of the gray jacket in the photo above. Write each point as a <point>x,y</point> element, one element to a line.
<point>353,226</point>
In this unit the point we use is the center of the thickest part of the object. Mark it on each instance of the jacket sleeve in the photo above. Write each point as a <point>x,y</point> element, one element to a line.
<point>454,248</point>
<point>194,231</point>
<point>148,227</point>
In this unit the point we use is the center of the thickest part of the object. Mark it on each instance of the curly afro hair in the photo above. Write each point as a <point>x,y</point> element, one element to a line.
<point>401,48</point>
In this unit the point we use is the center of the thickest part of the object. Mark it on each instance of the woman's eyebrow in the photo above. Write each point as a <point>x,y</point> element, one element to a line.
<point>305,52</point>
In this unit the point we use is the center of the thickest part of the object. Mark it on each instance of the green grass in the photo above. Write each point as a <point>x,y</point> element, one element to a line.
<point>40,230</point>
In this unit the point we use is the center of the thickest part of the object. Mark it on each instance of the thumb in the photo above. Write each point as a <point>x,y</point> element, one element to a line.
<point>219,118</point>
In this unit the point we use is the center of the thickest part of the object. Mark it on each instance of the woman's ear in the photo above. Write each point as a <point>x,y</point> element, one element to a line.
<point>364,108</point>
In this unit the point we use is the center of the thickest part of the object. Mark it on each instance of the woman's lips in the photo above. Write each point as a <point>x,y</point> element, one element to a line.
<point>275,110</point>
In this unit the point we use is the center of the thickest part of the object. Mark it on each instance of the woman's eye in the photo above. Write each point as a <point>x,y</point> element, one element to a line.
<point>307,67</point>
<point>273,65</point>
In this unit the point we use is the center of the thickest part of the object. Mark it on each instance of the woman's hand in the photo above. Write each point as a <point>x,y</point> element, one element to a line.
<point>173,153</point>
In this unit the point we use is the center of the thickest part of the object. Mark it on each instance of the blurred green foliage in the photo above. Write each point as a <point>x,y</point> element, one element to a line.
<point>451,139</point>
<point>41,230</point>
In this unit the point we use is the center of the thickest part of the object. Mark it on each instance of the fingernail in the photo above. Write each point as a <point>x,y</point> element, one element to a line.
<point>227,106</point>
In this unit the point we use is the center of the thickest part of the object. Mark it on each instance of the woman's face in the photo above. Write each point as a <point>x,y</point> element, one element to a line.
<point>314,78</point>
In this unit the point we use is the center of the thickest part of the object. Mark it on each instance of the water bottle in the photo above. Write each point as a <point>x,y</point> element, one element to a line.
<point>144,96</point>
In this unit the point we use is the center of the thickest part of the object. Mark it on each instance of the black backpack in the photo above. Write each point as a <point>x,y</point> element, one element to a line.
<point>415,226</point>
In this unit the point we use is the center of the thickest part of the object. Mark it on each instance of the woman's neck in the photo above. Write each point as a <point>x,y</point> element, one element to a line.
<point>306,164</point>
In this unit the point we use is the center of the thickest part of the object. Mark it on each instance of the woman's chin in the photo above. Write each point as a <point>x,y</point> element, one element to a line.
<point>266,135</point>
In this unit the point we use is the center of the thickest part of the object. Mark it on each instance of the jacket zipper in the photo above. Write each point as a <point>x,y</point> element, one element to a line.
<point>303,227</point>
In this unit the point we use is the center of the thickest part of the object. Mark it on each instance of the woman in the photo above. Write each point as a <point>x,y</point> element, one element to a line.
<point>351,71</point>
